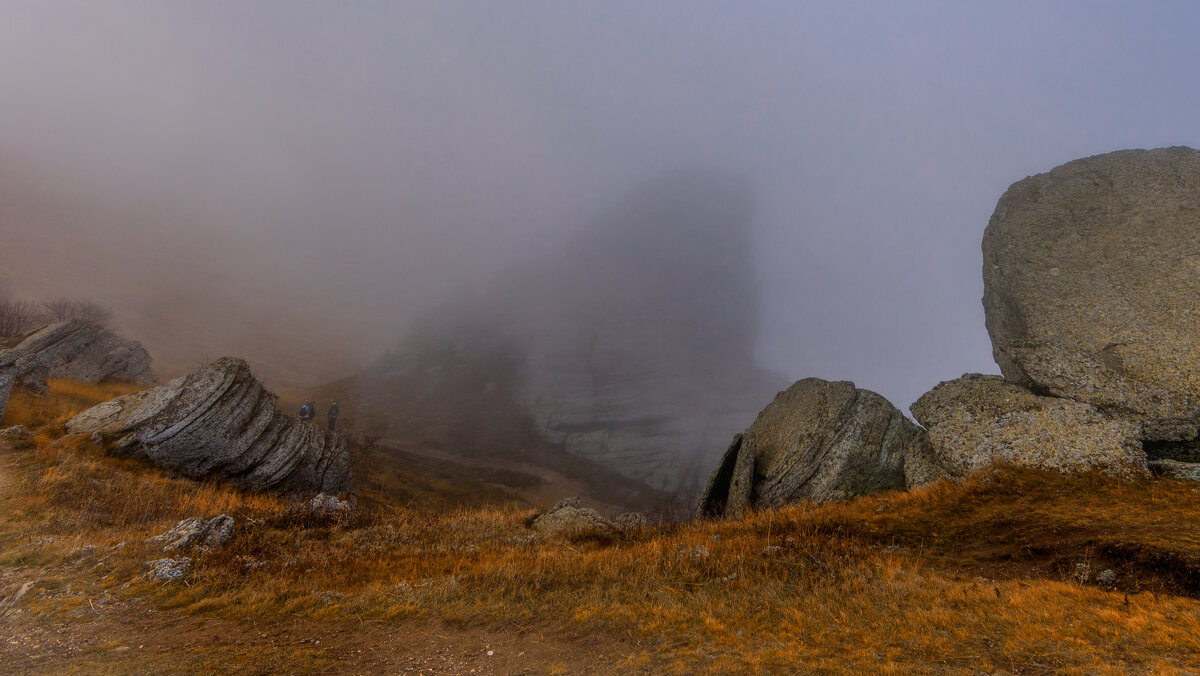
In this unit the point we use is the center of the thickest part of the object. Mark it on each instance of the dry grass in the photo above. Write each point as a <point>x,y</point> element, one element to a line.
<point>967,578</point>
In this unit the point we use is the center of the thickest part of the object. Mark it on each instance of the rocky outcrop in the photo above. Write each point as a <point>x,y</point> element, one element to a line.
<point>72,350</point>
<point>194,532</point>
<point>1091,274</point>
<point>219,421</point>
<point>977,420</point>
<point>569,519</point>
<point>818,441</point>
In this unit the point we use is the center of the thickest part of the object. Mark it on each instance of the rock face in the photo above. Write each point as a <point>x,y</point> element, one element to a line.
<point>219,421</point>
<point>818,441</point>
<point>72,350</point>
<point>1091,274</point>
<point>977,420</point>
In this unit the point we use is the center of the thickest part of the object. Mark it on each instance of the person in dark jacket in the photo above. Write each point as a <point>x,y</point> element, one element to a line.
<point>308,411</point>
<point>333,415</point>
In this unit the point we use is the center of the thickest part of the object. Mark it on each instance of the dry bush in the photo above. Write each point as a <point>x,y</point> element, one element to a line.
<point>63,309</point>
<point>17,318</point>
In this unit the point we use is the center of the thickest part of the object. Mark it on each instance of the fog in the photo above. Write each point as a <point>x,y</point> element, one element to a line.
<point>301,181</point>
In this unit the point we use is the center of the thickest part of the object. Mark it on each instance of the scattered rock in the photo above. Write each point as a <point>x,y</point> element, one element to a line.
<point>700,552</point>
<point>1090,281</point>
<point>169,569</point>
<point>771,550</point>
<point>631,521</point>
<point>17,431</point>
<point>1083,573</point>
<point>198,533</point>
<point>568,518</point>
<point>80,552</point>
<point>323,503</point>
<point>977,420</point>
<point>71,350</point>
<point>13,600</point>
<point>819,441</point>
<point>1106,578</point>
<point>218,421</point>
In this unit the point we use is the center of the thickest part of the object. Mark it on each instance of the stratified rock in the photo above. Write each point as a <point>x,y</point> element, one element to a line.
<point>1091,274</point>
<point>208,534</point>
<point>219,421</point>
<point>569,519</point>
<point>72,350</point>
<point>978,420</point>
<point>818,441</point>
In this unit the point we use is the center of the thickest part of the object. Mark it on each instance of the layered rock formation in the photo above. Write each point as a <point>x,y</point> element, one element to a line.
<point>1091,274</point>
<point>818,441</point>
<point>72,350</point>
<point>219,421</point>
<point>977,420</point>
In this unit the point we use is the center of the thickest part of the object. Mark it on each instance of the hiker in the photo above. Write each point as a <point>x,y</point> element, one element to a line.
<point>307,411</point>
<point>333,414</point>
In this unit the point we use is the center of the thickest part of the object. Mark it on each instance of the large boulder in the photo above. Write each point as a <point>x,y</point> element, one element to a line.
<point>72,350</point>
<point>219,421</point>
<point>978,420</point>
<point>820,441</point>
<point>1091,274</point>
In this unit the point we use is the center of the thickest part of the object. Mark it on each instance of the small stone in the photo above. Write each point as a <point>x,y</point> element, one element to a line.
<point>323,503</point>
<point>1107,578</point>
<point>169,569</point>
<point>1083,573</point>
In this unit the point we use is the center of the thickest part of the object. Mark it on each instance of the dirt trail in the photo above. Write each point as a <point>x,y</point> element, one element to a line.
<point>550,487</point>
<point>134,638</point>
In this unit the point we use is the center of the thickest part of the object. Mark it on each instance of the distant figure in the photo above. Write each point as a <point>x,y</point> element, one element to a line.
<point>308,411</point>
<point>333,414</point>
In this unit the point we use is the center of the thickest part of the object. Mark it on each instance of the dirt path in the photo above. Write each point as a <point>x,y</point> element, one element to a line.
<point>550,487</point>
<point>134,638</point>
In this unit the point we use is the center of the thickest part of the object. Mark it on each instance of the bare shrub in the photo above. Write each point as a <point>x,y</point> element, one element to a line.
<point>64,309</point>
<point>17,318</point>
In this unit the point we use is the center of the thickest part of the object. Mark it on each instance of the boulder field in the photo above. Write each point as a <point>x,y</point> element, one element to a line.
<point>218,421</point>
<point>1091,280</point>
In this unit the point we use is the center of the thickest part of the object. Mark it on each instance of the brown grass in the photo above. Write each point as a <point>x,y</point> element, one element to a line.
<point>967,578</point>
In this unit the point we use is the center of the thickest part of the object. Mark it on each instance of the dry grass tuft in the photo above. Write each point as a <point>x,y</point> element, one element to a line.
<point>953,578</point>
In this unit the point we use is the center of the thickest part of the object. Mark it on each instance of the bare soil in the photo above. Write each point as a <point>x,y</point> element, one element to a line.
<point>133,637</point>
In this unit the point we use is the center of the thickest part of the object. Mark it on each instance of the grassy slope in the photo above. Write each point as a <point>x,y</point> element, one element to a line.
<point>976,577</point>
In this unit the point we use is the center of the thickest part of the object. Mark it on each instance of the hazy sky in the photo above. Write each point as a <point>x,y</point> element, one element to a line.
<point>380,155</point>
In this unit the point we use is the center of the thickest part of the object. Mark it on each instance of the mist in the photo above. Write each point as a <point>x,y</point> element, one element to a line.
<point>300,183</point>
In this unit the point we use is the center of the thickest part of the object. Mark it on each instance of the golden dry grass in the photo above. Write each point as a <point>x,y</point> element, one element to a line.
<point>968,578</point>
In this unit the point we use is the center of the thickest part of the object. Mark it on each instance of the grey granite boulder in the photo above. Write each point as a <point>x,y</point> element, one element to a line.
<point>819,441</point>
<point>219,421</point>
<point>72,350</point>
<point>977,420</point>
<point>1091,274</point>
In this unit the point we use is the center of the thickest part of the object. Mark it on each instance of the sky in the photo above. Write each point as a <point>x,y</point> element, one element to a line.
<point>355,163</point>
